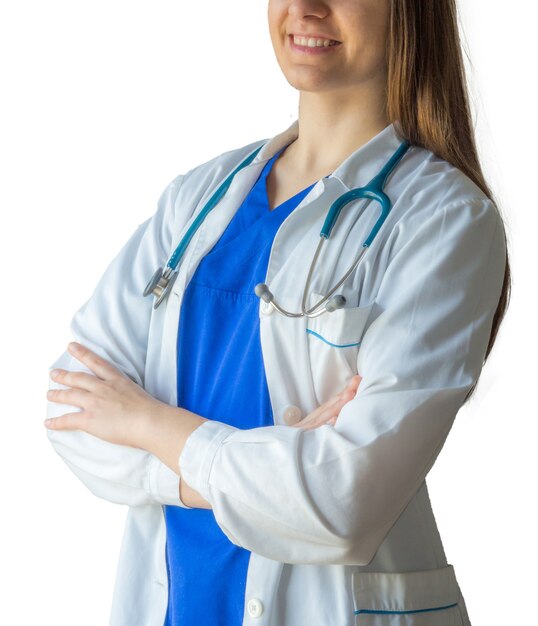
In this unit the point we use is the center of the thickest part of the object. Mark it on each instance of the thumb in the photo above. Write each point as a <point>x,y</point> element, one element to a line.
<point>69,421</point>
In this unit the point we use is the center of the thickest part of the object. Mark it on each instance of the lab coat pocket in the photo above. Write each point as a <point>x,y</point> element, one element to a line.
<point>333,343</point>
<point>421,598</point>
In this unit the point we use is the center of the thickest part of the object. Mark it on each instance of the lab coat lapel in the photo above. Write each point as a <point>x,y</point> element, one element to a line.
<point>218,219</point>
<point>203,240</point>
<point>295,244</point>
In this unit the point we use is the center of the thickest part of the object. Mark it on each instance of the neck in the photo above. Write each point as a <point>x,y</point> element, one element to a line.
<point>333,125</point>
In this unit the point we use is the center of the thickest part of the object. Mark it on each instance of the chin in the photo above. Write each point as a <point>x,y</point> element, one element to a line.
<point>311,86</point>
<point>309,83</point>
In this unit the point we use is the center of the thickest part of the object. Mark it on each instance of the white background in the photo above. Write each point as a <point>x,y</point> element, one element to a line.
<point>102,104</point>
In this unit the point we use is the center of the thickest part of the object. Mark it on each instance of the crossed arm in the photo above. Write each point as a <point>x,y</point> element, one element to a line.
<point>419,358</point>
<point>116,409</point>
<point>144,471</point>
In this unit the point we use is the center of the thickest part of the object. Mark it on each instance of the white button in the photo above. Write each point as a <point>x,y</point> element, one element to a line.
<point>254,607</point>
<point>267,308</point>
<point>292,414</point>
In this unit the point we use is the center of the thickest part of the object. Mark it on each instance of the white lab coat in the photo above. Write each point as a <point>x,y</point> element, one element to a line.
<point>338,519</point>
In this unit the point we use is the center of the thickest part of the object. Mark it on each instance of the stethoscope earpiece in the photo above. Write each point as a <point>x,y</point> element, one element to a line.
<point>262,291</point>
<point>336,302</point>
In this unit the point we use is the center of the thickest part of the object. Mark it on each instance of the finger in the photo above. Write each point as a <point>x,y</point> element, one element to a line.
<point>68,421</point>
<point>82,380</point>
<point>328,419</point>
<point>73,397</point>
<point>335,408</point>
<point>98,365</point>
<point>326,406</point>
<point>354,382</point>
<point>327,411</point>
<point>330,422</point>
<point>353,385</point>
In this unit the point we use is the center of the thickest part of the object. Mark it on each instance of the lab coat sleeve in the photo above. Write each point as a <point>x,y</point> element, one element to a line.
<point>114,323</point>
<point>331,495</point>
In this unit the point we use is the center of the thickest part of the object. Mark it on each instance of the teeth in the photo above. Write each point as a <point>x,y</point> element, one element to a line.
<point>310,42</point>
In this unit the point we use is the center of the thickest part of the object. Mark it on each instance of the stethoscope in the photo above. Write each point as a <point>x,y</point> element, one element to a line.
<point>161,282</point>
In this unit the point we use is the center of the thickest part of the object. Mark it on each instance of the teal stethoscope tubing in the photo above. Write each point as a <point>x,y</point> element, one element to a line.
<point>161,282</point>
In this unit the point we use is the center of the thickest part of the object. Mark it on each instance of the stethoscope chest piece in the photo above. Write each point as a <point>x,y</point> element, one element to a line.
<point>160,284</point>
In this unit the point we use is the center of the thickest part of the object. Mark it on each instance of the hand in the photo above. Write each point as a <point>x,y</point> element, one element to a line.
<point>328,412</point>
<point>113,407</point>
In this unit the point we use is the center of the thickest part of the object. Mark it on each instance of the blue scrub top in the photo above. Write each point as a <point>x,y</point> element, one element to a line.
<point>220,375</point>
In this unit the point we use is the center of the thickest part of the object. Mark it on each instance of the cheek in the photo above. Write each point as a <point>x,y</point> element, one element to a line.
<point>369,26</point>
<point>274,20</point>
<point>276,15</point>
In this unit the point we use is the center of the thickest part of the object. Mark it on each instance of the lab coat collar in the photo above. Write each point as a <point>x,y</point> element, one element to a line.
<point>358,168</point>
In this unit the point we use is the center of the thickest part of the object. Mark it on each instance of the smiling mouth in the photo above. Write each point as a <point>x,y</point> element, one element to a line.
<point>313,42</point>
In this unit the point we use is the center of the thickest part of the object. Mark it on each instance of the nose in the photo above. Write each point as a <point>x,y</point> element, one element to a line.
<point>300,9</point>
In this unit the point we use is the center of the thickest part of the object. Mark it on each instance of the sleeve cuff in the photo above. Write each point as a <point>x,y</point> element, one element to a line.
<point>196,458</point>
<point>164,484</point>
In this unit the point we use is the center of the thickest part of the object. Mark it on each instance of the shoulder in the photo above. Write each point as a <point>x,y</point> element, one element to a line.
<point>431,182</point>
<point>207,175</point>
<point>447,239</point>
<point>186,191</point>
<point>439,214</point>
<point>430,190</point>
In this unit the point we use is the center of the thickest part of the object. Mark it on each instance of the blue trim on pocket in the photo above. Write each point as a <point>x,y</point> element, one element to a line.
<point>334,345</point>
<point>436,608</point>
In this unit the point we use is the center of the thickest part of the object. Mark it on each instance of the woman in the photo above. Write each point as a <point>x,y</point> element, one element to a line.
<point>302,442</point>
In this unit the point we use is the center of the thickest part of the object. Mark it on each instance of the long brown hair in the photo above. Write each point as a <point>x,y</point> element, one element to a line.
<point>427,96</point>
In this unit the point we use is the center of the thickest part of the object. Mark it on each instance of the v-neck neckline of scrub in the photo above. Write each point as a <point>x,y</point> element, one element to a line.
<point>265,174</point>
